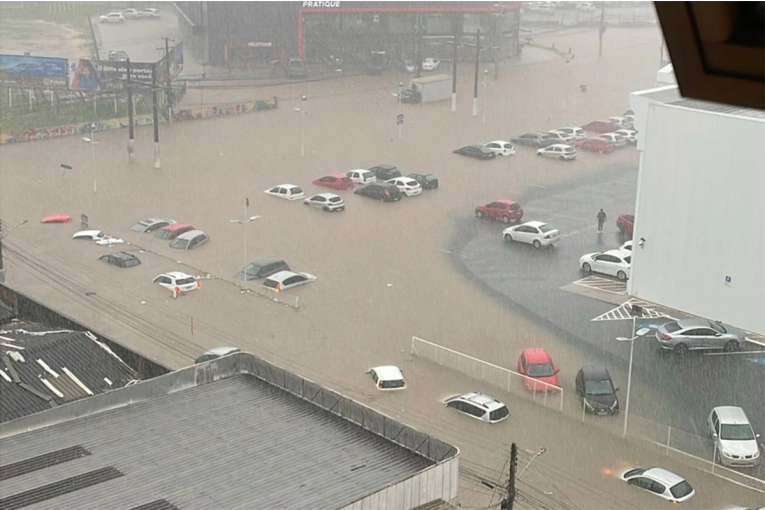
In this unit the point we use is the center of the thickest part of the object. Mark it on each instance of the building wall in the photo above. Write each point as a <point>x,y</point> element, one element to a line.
<point>701,210</point>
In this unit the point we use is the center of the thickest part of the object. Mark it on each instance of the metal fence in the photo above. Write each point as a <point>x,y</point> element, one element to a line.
<point>538,391</point>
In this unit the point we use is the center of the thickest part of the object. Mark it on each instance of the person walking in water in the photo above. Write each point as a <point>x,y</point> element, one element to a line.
<point>601,220</point>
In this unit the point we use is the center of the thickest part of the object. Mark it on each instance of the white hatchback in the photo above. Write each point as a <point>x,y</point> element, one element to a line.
<point>112,17</point>
<point>532,232</point>
<point>559,150</point>
<point>479,406</point>
<point>387,378</point>
<point>612,262</point>
<point>361,177</point>
<point>286,191</point>
<point>326,201</point>
<point>577,132</point>
<point>430,64</point>
<point>660,482</point>
<point>177,282</point>
<point>500,148</point>
<point>407,186</point>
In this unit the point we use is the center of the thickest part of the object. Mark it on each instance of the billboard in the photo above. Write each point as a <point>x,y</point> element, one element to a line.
<point>108,75</point>
<point>31,71</point>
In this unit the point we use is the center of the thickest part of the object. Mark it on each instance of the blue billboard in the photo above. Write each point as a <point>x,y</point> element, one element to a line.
<point>31,71</point>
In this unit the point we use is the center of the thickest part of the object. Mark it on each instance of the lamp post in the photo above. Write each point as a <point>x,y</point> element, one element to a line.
<point>92,141</point>
<point>302,112</point>
<point>637,334</point>
<point>400,86</point>
<point>244,223</point>
<point>533,458</point>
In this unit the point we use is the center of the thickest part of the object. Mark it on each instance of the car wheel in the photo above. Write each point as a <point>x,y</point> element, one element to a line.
<point>622,276</point>
<point>479,214</point>
<point>731,346</point>
<point>508,237</point>
<point>586,267</point>
<point>681,349</point>
<point>505,219</point>
<point>537,244</point>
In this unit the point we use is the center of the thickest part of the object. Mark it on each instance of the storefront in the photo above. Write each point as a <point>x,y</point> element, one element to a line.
<point>255,34</point>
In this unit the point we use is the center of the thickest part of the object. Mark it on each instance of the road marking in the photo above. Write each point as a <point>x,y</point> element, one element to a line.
<point>603,284</point>
<point>624,312</point>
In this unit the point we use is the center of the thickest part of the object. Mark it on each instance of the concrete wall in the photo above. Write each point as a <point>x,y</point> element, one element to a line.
<point>701,210</point>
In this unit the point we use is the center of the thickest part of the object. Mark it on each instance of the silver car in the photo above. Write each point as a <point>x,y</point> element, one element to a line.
<point>698,334</point>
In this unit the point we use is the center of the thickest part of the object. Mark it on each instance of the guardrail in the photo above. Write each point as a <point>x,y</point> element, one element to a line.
<point>512,382</point>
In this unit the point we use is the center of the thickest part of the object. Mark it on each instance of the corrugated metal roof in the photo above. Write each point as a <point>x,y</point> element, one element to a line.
<point>720,108</point>
<point>53,368</point>
<point>235,443</point>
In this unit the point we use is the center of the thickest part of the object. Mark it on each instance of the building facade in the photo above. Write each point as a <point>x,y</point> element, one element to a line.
<point>253,34</point>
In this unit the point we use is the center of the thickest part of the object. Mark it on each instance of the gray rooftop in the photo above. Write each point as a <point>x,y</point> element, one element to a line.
<point>720,108</point>
<point>228,442</point>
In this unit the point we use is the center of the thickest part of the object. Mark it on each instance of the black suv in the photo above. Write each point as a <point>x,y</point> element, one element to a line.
<point>427,181</point>
<point>263,268</point>
<point>385,172</point>
<point>121,259</point>
<point>594,386</point>
<point>382,191</point>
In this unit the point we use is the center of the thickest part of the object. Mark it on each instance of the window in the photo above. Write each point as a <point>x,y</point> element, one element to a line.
<point>671,327</point>
<point>474,410</point>
<point>598,387</point>
<point>498,414</point>
<point>318,199</point>
<point>657,487</point>
<point>540,370</point>
<point>184,281</point>
<point>131,262</point>
<point>335,200</point>
<point>495,205</point>
<point>642,482</point>
<point>606,258</point>
<point>296,191</point>
<point>545,228</point>
<point>396,383</point>
<point>681,490</point>
<point>374,376</point>
<point>292,280</point>
<point>514,207</point>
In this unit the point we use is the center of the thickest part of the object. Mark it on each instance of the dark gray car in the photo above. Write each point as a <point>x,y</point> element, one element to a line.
<point>263,268</point>
<point>699,334</point>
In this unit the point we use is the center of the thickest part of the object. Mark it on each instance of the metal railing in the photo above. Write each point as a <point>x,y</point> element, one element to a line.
<point>538,391</point>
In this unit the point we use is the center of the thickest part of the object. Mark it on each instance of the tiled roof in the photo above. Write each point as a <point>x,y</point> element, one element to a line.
<point>238,442</point>
<point>41,369</point>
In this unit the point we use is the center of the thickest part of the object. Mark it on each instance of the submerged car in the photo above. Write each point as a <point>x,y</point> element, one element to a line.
<point>286,191</point>
<point>600,126</point>
<point>595,388</point>
<point>430,64</point>
<point>385,172</point>
<point>98,236</point>
<point>284,280</point>
<point>151,224</point>
<point>177,282</point>
<point>500,148</point>
<point>326,201</point>
<point>476,151</point>
<point>383,191</point>
<point>598,145</point>
<point>626,223</point>
<point>538,367</point>
<point>387,378</point>
<point>479,406</point>
<point>335,181</point>
<point>699,335</point>
<point>427,181</point>
<point>56,218</point>
<point>535,233</point>
<point>173,230</point>
<point>559,151</point>
<point>408,186</point>
<point>296,68</point>
<point>535,139</point>
<point>361,177</point>
<point>660,482</point>
<point>263,268</point>
<point>189,240</point>
<point>121,259</point>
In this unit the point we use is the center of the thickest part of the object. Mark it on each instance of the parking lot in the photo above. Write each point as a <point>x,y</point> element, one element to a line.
<point>384,270</point>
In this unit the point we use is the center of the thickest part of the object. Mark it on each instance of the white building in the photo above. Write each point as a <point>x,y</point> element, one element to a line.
<point>700,213</point>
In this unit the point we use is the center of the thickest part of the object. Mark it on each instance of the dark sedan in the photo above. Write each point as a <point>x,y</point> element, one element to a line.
<point>383,191</point>
<point>595,388</point>
<point>121,259</point>
<point>476,151</point>
<point>427,181</point>
<point>385,172</point>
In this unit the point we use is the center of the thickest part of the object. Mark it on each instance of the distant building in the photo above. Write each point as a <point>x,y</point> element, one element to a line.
<point>699,241</point>
<point>242,34</point>
<point>41,368</point>
<point>237,432</point>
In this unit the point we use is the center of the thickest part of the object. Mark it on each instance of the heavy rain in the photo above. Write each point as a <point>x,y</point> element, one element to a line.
<point>472,203</point>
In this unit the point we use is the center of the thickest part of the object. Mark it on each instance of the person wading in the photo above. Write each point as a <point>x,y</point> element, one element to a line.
<point>601,220</point>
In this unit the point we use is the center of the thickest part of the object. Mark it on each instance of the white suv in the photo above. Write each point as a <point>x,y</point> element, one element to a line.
<point>735,441</point>
<point>479,406</point>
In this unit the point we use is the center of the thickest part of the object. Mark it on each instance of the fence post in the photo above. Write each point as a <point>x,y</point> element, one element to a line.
<point>583,409</point>
<point>669,436</point>
<point>545,396</point>
<point>561,401</point>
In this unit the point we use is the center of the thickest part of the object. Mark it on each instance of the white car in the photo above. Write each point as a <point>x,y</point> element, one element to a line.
<point>406,185</point>
<point>630,135</point>
<point>560,137</point>
<point>577,132</point>
<point>500,147</point>
<point>585,6</point>
<point>532,232</point>
<point>177,282</point>
<point>151,224</point>
<point>98,236</point>
<point>284,280</point>
<point>660,482</point>
<point>558,150</point>
<point>150,13</point>
<point>286,191</point>
<point>734,438</point>
<point>622,122</point>
<point>131,13</point>
<point>430,64</point>
<point>612,262</point>
<point>387,378</point>
<point>112,17</point>
<point>614,138</point>
<point>326,201</point>
<point>361,177</point>
<point>479,406</point>
<point>626,246</point>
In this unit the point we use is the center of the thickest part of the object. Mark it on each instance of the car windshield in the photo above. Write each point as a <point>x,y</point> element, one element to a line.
<point>742,432</point>
<point>681,490</point>
<point>253,268</point>
<point>139,227</point>
<point>271,284</point>
<point>540,370</point>
<point>184,281</point>
<point>499,413</point>
<point>131,262</point>
<point>544,228</point>
<point>598,387</point>
<point>163,234</point>
<point>179,243</point>
<point>671,327</point>
<point>296,191</point>
<point>398,383</point>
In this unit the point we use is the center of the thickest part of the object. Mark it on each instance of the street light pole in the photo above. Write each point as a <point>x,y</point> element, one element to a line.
<point>637,334</point>
<point>302,111</point>
<point>400,86</point>
<point>475,83</point>
<point>92,141</point>
<point>244,223</point>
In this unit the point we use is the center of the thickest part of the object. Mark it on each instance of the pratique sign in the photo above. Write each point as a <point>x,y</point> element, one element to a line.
<point>324,4</point>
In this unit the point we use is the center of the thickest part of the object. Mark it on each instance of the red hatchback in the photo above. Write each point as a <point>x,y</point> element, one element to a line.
<point>625,223</point>
<point>537,365</point>
<point>504,210</point>
<point>595,145</point>
<point>601,126</point>
<point>336,181</point>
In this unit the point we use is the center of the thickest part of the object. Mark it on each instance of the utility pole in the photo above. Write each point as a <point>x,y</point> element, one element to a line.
<point>475,84</point>
<point>169,81</point>
<point>507,503</point>
<point>131,131</point>
<point>601,30</point>
<point>454,66</point>
<point>417,50</point>
<point>155,116</point>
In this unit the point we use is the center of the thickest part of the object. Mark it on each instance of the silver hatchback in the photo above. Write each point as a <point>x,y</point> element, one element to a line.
<point>698,334</point>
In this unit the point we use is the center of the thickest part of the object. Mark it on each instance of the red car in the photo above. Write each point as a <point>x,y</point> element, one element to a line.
<point>625,223</point>
<point>601,126</point>
<point>505,210</point>
<point>595,145</point>
<point>56,218</point>
<point>336,181</point>
<point>537,364</point>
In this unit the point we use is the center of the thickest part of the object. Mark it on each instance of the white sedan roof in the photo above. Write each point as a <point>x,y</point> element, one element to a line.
<point>326,195</point>
<point>560,145</point>
<point>668,478</point>
<point>283,275</point>
<point>536,224</point>
<point>288,186</point>
<point>177,275</point>
<point>405,180</point>
<point>388,373</point>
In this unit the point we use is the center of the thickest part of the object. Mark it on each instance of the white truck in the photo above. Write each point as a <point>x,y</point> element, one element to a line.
<point>427,89</point>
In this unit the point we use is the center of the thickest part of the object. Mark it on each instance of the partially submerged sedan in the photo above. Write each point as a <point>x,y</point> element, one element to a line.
<point>284,280</point>
<point>660,482</point>
<point>326,201</point>
<point>151,224</point>
<point>387,378</point>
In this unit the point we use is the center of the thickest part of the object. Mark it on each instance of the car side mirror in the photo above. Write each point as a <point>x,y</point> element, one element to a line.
<point>757,435</point>
<point>714,434</point>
